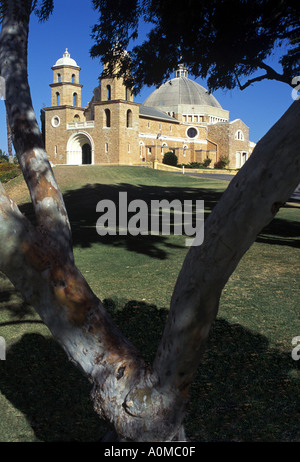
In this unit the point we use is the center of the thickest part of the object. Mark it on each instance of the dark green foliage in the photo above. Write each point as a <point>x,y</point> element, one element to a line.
<point>8,170</point>
<point>42,8</point>
<point>3,156</point>
<point>222,41</point>
<point>206,162</point>
<point>170,158</point>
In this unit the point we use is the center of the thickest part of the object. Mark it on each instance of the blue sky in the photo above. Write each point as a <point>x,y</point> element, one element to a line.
<point>259,106</point>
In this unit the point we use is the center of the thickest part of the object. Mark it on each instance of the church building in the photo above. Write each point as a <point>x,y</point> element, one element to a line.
<point>179,116</point>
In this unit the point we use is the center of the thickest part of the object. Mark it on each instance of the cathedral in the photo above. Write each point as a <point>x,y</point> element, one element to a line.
<point>179,116</point>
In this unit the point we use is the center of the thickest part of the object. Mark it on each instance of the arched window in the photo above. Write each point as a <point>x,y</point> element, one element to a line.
<point>59,78</point>
<point>107,117</point>
<point>163,148</point>
<point>73,78</point>
<point>129,119</point>
<point>57,99</point>
<point>108,88</point>
<point>239,135</point>
<point>75,99</point>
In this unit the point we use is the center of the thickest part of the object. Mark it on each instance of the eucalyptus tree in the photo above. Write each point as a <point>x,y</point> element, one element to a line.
<point>226,42</point>
<point>141,402</point>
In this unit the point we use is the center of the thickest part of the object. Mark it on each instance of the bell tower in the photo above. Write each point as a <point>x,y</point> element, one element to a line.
<point>113,87</point>
<point>65,89</point>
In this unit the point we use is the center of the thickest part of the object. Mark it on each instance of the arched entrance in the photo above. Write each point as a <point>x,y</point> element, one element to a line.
<point>86,154</point>
<point>80,149</point>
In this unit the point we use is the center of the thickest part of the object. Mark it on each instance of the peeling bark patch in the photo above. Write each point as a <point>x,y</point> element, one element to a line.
<point>60,283</point>
<point>99,358</point>
<point>72,293</point>
<point>120,372</point>
<point>43,184</point>
<point>34,256</point>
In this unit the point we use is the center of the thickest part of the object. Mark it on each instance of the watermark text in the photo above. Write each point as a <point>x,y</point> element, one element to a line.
<point>296,350</point>
<point>2,88</point>
<point>2,349</point>
<point>136,218</point>
<point>295,91</point>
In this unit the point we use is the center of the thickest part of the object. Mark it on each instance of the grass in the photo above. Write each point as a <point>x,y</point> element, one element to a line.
<point>247,387</point>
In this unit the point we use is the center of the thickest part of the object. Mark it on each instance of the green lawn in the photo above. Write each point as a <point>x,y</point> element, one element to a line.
<point>247,387</point>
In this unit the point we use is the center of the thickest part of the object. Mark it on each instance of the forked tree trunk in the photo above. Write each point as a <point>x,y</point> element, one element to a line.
<point>142,403</point>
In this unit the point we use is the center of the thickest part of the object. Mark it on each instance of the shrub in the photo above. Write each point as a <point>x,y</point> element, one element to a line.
<point>206,162</point>
<point>170,158</point>
<point>195,165</point>
<point>222,162</point>
<point>3,157</point>
<point>8,171</point>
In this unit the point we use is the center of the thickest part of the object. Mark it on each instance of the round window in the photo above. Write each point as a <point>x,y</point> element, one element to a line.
<point>192,132</point>
<point>55,121</point>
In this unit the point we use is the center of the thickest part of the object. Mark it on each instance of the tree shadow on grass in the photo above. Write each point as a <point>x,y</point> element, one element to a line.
<point>281,232</point>
<point>243,391</point>
<point>81,206</point>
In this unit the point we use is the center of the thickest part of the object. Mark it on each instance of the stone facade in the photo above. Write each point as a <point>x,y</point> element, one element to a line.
<point>114,129</point>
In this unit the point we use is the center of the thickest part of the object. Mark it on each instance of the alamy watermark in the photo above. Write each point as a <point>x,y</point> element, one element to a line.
<point>2,349</point>
<point>2,88</point>
<point>296,350</point>
<point>135,218</point>
<point>296,82</point>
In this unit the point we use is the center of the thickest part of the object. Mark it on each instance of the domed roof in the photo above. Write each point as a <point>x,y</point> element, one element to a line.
<point>66,60</point>
<point>181,91</point>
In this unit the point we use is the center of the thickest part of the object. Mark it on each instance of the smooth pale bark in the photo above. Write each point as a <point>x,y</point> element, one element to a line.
<point>26,136</point>
<point>39,261</point>
<point>123,386</point>
<point>142,403</point>
<point>250,202</point>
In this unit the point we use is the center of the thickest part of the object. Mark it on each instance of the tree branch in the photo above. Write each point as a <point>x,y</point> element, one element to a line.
<point>250,202</point>
<point>46,197</point>
<point>270,74</point>
<point>123,385</point>
<point>249,82</point>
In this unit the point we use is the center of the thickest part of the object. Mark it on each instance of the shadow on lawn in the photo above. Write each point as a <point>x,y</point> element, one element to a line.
<point>81,206</point>
<point>242,390</point>
<point>280,232</point>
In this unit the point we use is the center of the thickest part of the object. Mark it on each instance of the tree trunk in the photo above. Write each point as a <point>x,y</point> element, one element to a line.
<point>142,403</point>
<point>9,142</point>
<point>250,202</point>
<point>123,385</point>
